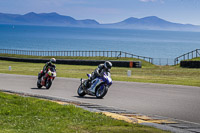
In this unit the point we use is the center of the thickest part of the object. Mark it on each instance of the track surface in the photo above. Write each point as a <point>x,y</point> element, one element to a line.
<point>173,101</point>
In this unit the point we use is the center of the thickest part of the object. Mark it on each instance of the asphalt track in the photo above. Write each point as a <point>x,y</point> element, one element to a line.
<point>173,101</point>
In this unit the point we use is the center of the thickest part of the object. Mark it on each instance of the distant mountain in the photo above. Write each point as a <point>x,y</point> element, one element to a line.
<point>49,19</point>
<point>54,19</point>
<point>153,23</point>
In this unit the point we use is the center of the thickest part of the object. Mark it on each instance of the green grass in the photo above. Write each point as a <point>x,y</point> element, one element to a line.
<point>144,63</point>
<point>31,115</point>
<point>194,59</point>
<point>147,74</point>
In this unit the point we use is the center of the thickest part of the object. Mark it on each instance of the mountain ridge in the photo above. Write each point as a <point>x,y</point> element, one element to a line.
<point>55,19</point>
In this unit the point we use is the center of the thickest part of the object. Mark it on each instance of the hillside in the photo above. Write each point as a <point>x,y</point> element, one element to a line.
<point>55,19</point>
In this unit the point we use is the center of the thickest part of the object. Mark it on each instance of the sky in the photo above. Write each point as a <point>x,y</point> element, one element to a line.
<point>110,11</point>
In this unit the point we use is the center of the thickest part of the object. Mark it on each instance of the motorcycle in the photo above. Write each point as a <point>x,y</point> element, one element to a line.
<point>98,87</point>
<point>47,79</point>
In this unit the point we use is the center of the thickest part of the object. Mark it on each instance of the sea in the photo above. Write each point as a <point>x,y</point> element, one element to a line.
<point>150,43</point>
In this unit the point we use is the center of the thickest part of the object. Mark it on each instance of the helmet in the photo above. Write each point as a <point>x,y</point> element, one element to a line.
<point>53,60</point>
<point>108,65</point>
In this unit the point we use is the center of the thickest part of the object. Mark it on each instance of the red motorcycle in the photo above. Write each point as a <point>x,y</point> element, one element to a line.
<point>47,79</point>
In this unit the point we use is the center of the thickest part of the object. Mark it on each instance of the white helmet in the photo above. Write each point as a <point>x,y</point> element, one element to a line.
<point>53,60</point>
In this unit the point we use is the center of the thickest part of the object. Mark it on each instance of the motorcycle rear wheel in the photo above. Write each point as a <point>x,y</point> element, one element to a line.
<point>80,91</point>
<point>39,84</point>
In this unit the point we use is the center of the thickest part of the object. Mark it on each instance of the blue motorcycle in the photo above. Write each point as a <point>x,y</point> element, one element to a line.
<point>98,87</point>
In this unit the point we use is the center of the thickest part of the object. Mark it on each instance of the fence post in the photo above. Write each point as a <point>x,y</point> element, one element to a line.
<point>196,53</point>
<point>192,54</point>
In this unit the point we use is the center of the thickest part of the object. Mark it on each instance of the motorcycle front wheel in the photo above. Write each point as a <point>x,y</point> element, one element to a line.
<point>80,91</point>
<point>48,83</point>
<point>100,93</point>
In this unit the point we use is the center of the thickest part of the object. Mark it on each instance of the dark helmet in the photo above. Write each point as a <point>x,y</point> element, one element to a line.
<point>53,60</point>
<point>108,65</point>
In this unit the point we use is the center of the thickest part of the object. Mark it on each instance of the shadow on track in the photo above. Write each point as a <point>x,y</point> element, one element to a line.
<point>39,88</point>
<point>87,97</point>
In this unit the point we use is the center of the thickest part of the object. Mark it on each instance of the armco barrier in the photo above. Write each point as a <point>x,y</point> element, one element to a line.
<point>190,64</point>
<point>134,64</point>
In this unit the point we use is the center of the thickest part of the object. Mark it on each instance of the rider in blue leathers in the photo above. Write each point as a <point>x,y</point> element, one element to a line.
<point>99,71</point>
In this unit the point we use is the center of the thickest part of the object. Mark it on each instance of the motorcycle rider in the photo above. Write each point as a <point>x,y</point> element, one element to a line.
<point>99,71</point>
<point>46,66</point>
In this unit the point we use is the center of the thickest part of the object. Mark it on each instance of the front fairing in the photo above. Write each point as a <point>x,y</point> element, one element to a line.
<point>109,81</point>
<point>107,78</point>
<point>106,82</point>
<point>101,81</point>
<point>96,82</point>
<point>51,73</point>
<point>89,75</point>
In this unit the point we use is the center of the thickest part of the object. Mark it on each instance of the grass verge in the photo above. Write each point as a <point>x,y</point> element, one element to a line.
<point>150,74</point>
<point>194,59</point>
<point>144,63</point>
<point>31,115</point>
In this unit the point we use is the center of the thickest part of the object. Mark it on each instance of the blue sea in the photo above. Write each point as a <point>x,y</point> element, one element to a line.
<point>155,44</point>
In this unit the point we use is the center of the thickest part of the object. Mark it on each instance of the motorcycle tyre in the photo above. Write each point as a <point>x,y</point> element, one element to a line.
<point>81,94</point>
<point>39,84</point>
<point>104,93</point>
<point>48,83</point>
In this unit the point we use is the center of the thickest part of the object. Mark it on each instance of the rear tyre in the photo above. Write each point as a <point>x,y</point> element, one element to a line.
<point>100,93</point>
<point>48,83</point>
<point>39,84</point>
<point>80,91</point>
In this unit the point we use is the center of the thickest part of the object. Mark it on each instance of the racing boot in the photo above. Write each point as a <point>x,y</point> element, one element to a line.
<point>39,76</point>
<point>88,83</point>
